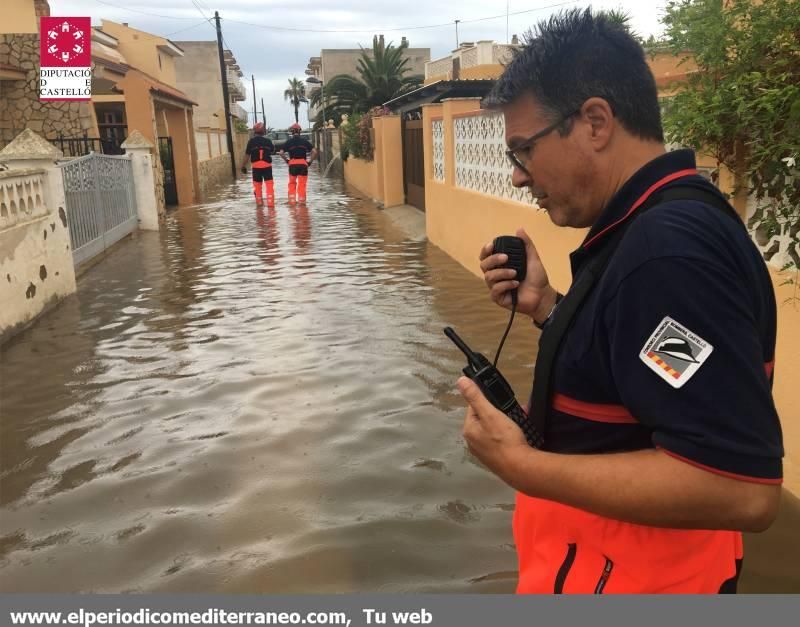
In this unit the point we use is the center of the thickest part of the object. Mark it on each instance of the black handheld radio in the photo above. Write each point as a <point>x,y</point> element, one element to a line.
<point>495,388</point>
<point>514,247</point>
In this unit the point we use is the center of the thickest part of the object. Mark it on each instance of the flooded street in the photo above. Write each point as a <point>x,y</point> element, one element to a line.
<point>255,400</point>
<point>262,400</point>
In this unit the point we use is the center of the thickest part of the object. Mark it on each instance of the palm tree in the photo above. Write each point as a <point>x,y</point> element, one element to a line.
<point>295,95</point>
<point>382,77</point>
<point>623,18</point>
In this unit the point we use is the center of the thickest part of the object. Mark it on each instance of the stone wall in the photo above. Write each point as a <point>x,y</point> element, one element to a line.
<point>217,171</point>
<point>214,172</point>
<point>20,107</point>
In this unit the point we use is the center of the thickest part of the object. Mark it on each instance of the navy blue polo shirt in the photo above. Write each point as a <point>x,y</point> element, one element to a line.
<point>674,347</point>
<point>259,148</point>
<point>297,147</point>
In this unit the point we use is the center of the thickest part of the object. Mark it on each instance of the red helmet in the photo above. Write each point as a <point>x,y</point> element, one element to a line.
<point>259,128</point>
<point>295,128</point>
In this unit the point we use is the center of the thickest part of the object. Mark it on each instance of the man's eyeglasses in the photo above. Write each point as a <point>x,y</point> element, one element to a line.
<point>522,152</point>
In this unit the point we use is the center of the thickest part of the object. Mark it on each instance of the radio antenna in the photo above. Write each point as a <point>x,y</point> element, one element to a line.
<point>474,362</point>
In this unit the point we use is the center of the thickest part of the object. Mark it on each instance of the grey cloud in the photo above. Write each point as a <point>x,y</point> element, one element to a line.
<point>274,55</point>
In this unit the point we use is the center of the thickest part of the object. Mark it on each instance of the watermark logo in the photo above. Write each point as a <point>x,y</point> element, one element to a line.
<point>65,54</point>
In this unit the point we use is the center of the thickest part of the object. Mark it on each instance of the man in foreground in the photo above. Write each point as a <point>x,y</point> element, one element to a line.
<point>662,441</point>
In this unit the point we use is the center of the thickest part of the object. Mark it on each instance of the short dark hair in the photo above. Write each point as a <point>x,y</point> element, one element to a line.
<point>576,55</point>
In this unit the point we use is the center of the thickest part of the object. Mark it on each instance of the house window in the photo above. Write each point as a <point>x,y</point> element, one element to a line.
<point>159,61</point>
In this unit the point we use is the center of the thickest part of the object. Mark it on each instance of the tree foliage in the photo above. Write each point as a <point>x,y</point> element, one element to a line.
<point>382,76</point>
<point>742,105</point>
<point>357,138</point>
<point>295,95</point>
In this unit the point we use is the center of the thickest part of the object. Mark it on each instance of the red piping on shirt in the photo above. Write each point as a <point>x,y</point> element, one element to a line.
<point>598,412</point>
<point>654,188</point>
<point>716,471</point>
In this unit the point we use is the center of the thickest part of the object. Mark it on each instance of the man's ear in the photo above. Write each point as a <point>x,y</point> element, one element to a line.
<point>598,112</point>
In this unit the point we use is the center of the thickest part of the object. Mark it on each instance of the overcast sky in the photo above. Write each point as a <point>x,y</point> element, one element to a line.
<point>266,48</point>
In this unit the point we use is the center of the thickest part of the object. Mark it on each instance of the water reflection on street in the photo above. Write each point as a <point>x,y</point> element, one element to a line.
<point>262,400</point>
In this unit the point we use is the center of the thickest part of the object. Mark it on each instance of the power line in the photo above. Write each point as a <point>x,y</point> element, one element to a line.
<point>148,13</point>
<point>205,6</point>
<point>227,45</point>
<point>226,98</point>
<point>189,28</point>
<point>205,17</point>
<point>345,31</point>
<point>494,17</point>
<point>197,6</point>
<point>402,29</point>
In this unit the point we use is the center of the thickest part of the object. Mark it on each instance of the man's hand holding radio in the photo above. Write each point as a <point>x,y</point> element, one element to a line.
<point>490,436</point>
<point>536,297</point>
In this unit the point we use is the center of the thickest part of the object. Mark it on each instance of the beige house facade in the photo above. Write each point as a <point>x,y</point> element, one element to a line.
<point>199,77</point>
<point>136,89</point>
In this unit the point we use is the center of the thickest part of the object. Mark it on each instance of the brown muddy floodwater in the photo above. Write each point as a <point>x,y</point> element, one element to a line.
<point>263,401</point>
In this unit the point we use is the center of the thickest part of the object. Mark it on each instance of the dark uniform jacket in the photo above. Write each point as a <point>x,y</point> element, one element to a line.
<point>260,150</point>
<point>673,349</point>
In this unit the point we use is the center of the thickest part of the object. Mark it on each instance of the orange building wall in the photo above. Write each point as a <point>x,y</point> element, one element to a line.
<point>390,159</point>
<point>140,50</point>
<point>19,16</point>
<point>363,175</point>
<point>787,365</point>
<point>382,178</point>
<point>139,109</point>
<point>493,70</point>
<point>667,68</point>
<point>180,129</point>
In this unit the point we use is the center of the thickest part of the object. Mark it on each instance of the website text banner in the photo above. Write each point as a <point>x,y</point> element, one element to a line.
<point>362,610</point>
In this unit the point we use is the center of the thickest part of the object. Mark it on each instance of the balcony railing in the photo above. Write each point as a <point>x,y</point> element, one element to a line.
<point>238,111</point>
<point>236,87</point>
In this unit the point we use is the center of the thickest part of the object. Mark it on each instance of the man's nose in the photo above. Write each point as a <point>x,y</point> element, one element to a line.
<point>520,178</point>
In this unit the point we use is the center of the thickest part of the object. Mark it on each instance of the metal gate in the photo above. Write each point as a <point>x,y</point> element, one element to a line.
<point>168,164</point>
<point>414,163</point>
<point>101,202</point>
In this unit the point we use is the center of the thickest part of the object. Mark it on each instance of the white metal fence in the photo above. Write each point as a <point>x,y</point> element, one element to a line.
<point>101,202</point>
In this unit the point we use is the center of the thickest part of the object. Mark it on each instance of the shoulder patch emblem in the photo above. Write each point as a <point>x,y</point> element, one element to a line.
<point>674,353</point>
